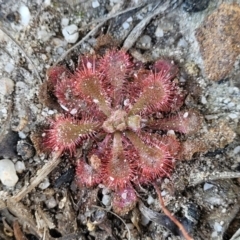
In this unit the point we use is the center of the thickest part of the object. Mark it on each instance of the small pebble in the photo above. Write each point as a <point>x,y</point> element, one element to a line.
<point>163,193</point>
<point>95,4</point>
<point>44,35</point>
<point>25,15</point>
<point>20,166</point>
<point>47,3</point>
<point>145,42</point>
<point>233,115</point>
<point>144,220</point>
<point>4,111</point>
<point>22,135</point>
<point>182,43</point>
<point>207,186</point>
<point>6,86</point>
<point>51,203</point>
<point>8,174</point>
<point>214,234</point>
<point>50,112</point>
<point>64,22</point>
<point>236,150</point>
<point>227,100</point>
<point>44,184</point>
<point>70,33</point>
<point>236,90</point>
<point>231,104</point>
<point>129,19</point>
<point>9,67</point>
<point>105,191</point>
<point>106,200</point>
<point>203,100</point>
<point>150,200</point>
<point>185,115</point>
<point>159,32</point>
<point>60,50</point>
<point>217,227</point>
<point>224,210</point>
<point>125,25</point>
<point>62,203</point>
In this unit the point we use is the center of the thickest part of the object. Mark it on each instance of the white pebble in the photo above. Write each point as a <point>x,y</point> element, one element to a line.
<point>4,111</point>
<point>20,166</point>
<point>145,42</point>
<point>226,100</point>
<point>60,50</point>
<point>159,32</point>
<point>106,200</point>
<point>207,186</point>
<point>47,3</point>
<point>9,67</point>
<point>44,184</point>
<point>236,150</point>
<point>130,19</point>
<point>64,22</point>
<point>166,181</point>
<point>150,200</point>
<point>21,85</point>
<point>6,86</point>
<point>144,220</point>
<point>217,227</point>
<point>70,33</point>
<point>224,210</point>
<point>106,191</point>
<point>125,25</point>
<point>171,133</point>
<point>231,104</point>
<point>214,234</point>
<point>233,115</point>
<point>185,115</point>
<point>25,15</point>
<point>236,90</point>
<point>22,135</point>
<point>51,203</point>
<point>163,193</point>
<point>73,111</point>
<point>182,43</point>
<point>43,34</point>
<point>50,112</point>
<point>8,174</point>
<point>203,100</point>
<point>95,4</point>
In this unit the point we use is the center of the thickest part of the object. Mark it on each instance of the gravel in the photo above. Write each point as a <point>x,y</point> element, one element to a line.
<point>43,31</point>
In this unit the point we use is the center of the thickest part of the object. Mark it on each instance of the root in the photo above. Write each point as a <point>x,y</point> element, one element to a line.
<point>169,214</point>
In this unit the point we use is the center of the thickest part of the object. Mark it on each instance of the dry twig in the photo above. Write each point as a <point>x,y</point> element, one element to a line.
<point>41,174</point>
<point>138,29</point>
<point>197,178</point>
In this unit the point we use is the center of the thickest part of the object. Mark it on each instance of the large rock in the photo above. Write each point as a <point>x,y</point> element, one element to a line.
<point>219,40</point>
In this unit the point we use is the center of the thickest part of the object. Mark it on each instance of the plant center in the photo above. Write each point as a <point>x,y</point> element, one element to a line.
<point>120,121</point>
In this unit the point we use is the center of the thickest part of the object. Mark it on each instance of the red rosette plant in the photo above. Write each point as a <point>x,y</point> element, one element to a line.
<point>110,97</point>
